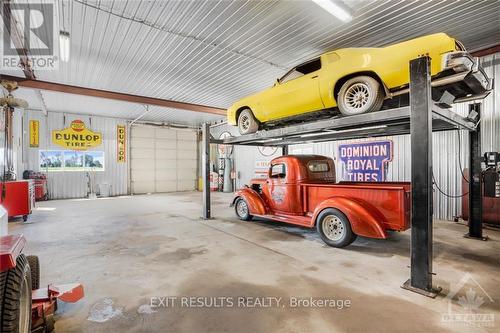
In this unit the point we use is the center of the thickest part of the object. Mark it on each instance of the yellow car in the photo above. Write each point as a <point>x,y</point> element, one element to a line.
<point>358,80</point>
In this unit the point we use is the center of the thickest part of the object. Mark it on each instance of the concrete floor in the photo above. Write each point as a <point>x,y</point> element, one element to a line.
<point>128,250</point>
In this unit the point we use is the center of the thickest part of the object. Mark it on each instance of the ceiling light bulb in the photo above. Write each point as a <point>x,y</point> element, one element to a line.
<point>64,46</point>
<point>334,9</point>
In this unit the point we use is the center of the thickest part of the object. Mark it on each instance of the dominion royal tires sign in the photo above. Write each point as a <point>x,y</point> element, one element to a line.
<point>76,137</point>
<point>366,161</point>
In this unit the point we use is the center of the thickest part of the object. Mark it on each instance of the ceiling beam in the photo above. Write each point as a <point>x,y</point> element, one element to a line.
<point>69,89</point>
<point>487,51</point>
<point>11,27</point>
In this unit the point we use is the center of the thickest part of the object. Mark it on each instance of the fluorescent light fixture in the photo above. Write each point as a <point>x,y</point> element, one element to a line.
<point>335,9</point>
<point>64,45</point>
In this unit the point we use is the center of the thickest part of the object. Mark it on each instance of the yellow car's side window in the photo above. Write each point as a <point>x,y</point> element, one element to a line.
<point>308,67</point>
<point>291,75</point>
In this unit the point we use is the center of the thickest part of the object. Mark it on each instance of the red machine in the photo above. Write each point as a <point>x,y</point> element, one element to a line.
<point>40,189</point>
<point>301,190</point>
<point>40,180</point>
<point>19,197</point>
<point>28,308</point>
<point>491,205</point>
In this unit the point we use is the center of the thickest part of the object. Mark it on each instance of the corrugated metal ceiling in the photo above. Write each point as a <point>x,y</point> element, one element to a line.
<point>215,52</point>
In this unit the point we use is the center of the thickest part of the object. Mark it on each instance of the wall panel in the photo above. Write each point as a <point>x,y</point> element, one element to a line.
<point>75,184</point>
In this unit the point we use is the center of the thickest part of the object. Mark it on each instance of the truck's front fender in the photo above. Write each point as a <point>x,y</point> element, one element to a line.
<point>253,199</point>
<point>363,219</point>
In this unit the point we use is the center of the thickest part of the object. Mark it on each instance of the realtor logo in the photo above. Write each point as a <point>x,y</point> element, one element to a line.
<point>28,28</point>
<point>464,304</point>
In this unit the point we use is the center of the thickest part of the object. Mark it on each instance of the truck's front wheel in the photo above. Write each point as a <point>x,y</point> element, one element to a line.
<point>334,228</point>
<point>241,209</point>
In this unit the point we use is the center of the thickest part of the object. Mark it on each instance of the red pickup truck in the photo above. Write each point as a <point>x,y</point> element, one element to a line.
<point>302,190</point>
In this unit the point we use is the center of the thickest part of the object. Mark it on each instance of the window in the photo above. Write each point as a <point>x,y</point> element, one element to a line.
<point>278,171</point>
<point>318,166</point>
<point>308,67</point>
<point>71,160</point>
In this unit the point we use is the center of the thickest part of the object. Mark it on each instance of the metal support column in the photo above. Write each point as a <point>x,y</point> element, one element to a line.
<point>475,181</point>
<point>284,150</point>
<point>206,170</point>
<point>421,178</point>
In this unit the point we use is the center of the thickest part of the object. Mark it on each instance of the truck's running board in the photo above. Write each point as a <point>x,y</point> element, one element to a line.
<point>303,221</point>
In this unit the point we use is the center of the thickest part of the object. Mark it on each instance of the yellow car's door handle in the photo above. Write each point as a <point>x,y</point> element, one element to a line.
<point>313,77</point>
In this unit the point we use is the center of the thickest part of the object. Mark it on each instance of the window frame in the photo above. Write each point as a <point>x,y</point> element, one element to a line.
<point>281,80</point>
<point>278,177</point>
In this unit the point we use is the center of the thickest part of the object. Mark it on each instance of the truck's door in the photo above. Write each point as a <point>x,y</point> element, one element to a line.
<point>277,188</point>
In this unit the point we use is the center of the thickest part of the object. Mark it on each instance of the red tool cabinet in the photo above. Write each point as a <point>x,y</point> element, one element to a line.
<point>19,197</point>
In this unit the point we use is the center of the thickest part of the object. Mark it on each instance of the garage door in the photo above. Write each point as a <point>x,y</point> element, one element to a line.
<point>162,160</point>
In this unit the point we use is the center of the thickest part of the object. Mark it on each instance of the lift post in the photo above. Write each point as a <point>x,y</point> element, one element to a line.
<point>421,106</point>
<point>475,181</point>
<point>205,134</point>
<point>284,150</point>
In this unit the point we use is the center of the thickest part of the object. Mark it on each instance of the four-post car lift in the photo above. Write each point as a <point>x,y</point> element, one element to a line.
<point>419,120</point>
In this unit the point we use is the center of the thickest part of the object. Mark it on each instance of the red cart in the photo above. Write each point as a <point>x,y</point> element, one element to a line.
<point>19,197</point>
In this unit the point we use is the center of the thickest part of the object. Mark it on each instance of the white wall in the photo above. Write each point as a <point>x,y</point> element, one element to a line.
<point>74,184</point>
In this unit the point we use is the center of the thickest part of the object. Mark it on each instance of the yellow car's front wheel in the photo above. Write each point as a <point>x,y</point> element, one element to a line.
<point>247,123</point>
<point>360,94</point>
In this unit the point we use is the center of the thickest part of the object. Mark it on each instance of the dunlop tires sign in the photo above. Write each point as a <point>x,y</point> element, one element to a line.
<point>34,133</point>
<point>121,143</point>
<point>76,137</point>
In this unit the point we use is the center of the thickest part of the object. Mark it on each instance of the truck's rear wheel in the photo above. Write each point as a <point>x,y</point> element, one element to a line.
<point>15,295</point>
<point>361,94</point>
<point>247,123</point>
<point>242,210</point>
<point>334,228</point>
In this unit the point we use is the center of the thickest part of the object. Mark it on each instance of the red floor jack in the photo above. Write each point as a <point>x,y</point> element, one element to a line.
<point>20,291</point>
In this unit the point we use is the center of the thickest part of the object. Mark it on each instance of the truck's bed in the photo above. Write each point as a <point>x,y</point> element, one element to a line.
<point>390,202</point>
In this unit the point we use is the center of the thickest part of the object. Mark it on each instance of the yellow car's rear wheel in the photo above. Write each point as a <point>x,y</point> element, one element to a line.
<point>360,94</point>
<point>247,123</point>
